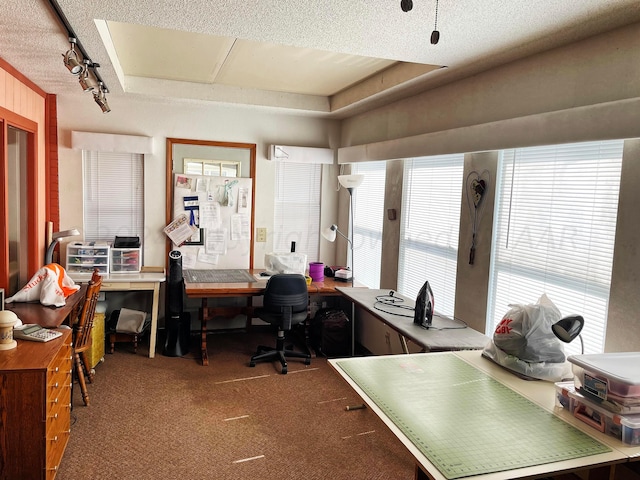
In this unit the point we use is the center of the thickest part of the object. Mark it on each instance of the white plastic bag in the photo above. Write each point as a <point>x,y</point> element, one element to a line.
<point>285,263</point>
<point>524,342</point>
<point>50,285</point>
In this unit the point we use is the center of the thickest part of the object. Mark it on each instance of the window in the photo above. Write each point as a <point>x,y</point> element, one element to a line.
<point>431,196</point>
<point>555,224</point>
<point>368,215</point>
<point>113,195</point>
<point>214,168</point>
<point>297,208</point>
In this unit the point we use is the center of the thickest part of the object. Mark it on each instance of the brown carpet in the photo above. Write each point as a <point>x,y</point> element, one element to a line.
<point>172,418</point>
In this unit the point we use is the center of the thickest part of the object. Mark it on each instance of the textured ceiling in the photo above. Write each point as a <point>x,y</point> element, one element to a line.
<point>319,57</point>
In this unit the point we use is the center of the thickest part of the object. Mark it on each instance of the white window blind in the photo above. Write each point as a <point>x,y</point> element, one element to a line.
<point>113,195</point>
<point>554,232</point>
<point>431,196</point>
<point>297,208</point>
<point>368,209</point>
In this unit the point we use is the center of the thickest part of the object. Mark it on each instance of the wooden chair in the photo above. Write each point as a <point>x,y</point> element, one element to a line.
<point>82,335</point>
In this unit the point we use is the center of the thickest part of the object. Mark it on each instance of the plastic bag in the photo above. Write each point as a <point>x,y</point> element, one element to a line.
<point>524,342</point>
<point>50,285</point>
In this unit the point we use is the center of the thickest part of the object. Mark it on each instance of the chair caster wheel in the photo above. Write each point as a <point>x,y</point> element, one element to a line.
<point>307,361</point>
<point>284,370</point>
<point>252,364</point>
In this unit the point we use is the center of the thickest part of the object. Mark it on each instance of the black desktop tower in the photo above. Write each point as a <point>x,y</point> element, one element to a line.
<point>177,322</point>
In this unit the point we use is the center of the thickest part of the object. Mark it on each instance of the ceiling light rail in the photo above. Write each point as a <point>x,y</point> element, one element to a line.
<point>79,63</point>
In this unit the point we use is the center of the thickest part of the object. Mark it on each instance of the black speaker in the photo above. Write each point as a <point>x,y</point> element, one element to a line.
<point>175,266</point>
<point>177,322</point>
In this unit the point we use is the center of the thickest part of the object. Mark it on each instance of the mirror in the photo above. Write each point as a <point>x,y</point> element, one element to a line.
<point>213,158</point>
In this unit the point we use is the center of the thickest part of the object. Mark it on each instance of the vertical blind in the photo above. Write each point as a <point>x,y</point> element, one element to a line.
<point>113,195</point>
<point>554,232</point>
<point>431,200</point>
<point>368,209</point>
<point>297,208</point>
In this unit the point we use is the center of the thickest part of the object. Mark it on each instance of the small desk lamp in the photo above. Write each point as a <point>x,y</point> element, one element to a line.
<point>330,234</point>
<point>350,182</point>
<point>55,238</point>
<point>568,328</point>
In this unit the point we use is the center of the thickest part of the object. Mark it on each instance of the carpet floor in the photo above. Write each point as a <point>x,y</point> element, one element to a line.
<point>172,418</point>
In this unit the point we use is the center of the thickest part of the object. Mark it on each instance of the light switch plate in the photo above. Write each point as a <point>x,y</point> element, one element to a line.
<point>261,234</point>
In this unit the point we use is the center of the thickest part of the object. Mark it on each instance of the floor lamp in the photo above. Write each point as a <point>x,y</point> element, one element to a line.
<point>350,182</point>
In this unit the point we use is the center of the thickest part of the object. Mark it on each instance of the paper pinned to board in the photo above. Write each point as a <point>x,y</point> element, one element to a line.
<point>180,230</point>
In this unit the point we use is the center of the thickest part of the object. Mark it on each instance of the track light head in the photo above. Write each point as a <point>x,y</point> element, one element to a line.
<point>71,59</point>
<point>87,79</point>
<point>406,5</point>
<point>101,99</point>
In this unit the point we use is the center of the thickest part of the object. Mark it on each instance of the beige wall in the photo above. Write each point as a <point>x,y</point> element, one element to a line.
<point>191,121</point>
<point>586,91</point>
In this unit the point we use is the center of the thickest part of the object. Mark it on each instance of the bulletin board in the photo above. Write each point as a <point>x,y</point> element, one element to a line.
<point>219,210</point>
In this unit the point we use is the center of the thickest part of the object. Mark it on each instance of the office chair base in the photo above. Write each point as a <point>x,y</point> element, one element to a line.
<point>279,353</point>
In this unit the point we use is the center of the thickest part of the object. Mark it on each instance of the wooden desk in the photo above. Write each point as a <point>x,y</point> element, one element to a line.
<point>130,282</point>
<point>35,407</point>
<point>418,396</point>
<point>242,289</point>
<point>446,334</point>
<point>48,317</point>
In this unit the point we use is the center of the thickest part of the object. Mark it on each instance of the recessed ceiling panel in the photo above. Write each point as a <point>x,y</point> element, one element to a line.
<point>168,54</point>
<point>193,57</point>
<point>297,70</point>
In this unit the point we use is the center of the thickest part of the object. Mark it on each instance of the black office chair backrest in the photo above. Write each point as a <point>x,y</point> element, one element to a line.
<point>286,290</point>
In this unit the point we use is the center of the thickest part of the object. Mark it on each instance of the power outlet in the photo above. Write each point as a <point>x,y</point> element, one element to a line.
<point>261,234</point>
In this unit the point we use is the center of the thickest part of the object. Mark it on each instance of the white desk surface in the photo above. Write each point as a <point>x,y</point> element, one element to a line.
<point>138,277</point>
<point>446,334</point>
<point>540,392</point>
<point>142,281</point>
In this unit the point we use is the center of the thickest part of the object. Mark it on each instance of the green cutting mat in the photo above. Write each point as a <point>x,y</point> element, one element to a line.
<point>462,420</point>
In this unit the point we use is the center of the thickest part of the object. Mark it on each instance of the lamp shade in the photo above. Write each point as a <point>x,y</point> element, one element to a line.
<point>350,181</point>
<point>568,328</point>
<point>65,233</point>
<point>330,233</point>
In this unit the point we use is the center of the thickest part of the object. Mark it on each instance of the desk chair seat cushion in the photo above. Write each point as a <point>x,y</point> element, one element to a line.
<point>286,302</point>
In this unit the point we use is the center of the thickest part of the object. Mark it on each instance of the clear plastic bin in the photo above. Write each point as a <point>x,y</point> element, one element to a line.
<point>608,374</point>
<point>625,428</point>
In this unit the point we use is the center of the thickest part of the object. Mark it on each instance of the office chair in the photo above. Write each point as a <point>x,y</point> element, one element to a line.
<point>285,304</point>
<point>82,335</point>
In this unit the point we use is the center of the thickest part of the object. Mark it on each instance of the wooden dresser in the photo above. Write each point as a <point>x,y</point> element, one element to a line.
<point>35,407</point>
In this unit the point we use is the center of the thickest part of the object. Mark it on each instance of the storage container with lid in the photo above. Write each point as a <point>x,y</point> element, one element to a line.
<point>608,376</point>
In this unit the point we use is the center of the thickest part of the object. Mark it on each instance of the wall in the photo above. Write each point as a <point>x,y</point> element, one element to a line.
<point>20,96</point>
<point>585,91</point>
<point>190,121</point>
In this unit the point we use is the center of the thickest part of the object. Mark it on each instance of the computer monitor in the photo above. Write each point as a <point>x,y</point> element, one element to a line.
<point>423,311</point>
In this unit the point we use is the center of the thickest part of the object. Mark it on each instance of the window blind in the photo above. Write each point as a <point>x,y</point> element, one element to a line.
<point>554,232</point>
<point>368,209</point>
<point>113,195</point>
<point>432,192</point>
<point>297,208</point>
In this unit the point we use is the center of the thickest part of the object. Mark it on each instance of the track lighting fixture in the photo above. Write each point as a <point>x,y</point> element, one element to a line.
<point>101,99</point>
<point>435,35</point>
<point>78,62</point>
<point>406,5</point>
<point>71,59</point>
<point>87,79</point>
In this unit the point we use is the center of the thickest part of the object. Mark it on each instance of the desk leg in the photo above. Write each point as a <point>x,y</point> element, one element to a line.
<point>154,320</point>
<point>203,332</point>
